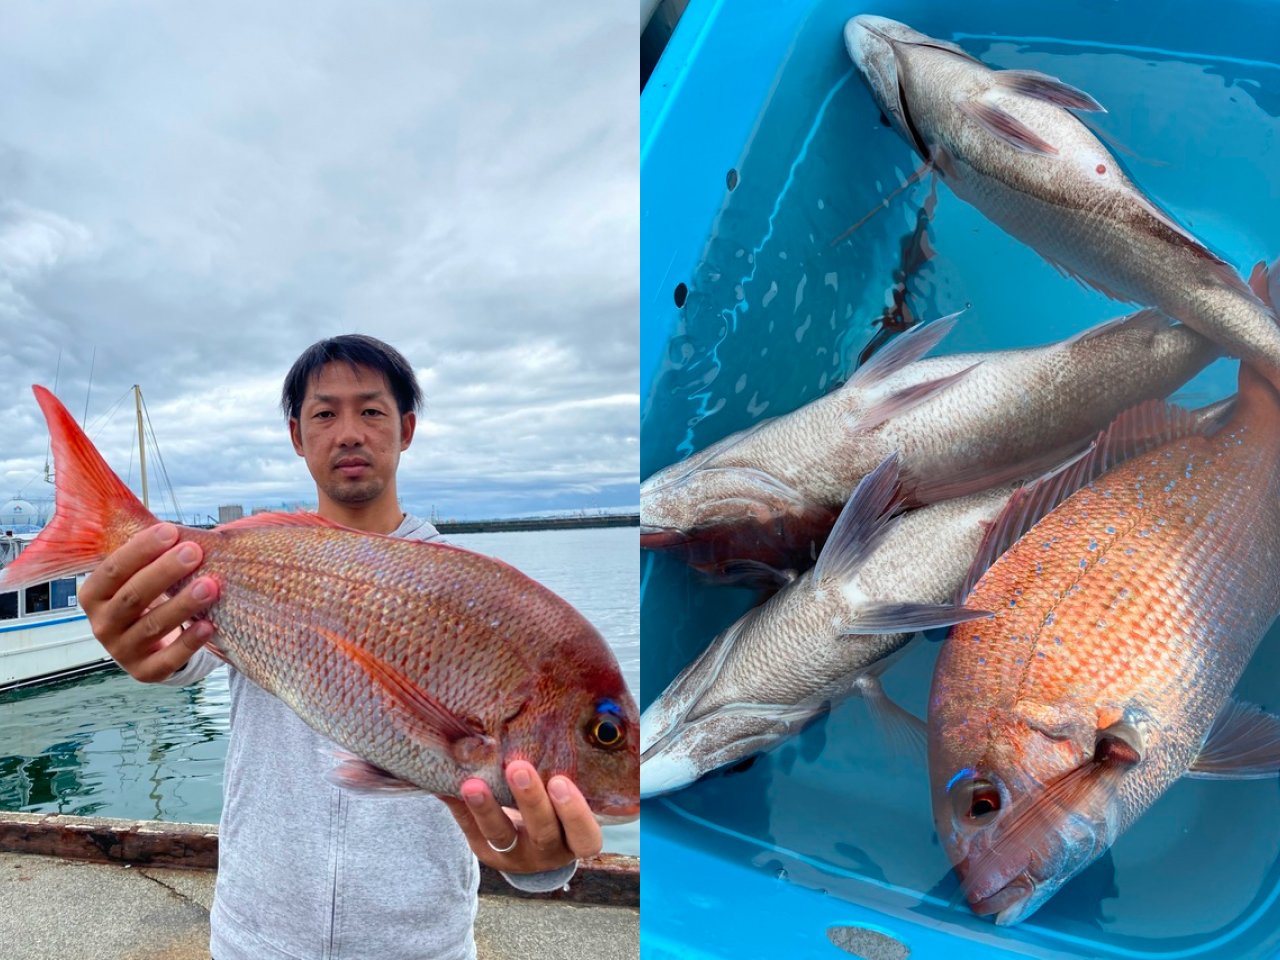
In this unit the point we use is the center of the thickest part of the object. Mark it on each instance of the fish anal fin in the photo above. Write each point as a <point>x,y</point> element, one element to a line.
<point>1242,744</point>
<point>903,400</point>
<point>863,520</point>
<point>1041,86</point>
<point>1006,127</point>
<point>436,721</point>
<point>904,349</point>
<point>361,776</point>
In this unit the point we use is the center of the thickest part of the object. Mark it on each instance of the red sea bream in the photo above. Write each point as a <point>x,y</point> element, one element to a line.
<point>430,663</point>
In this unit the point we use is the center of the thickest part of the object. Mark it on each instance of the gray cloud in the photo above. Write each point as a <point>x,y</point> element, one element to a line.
<point>191,195</point>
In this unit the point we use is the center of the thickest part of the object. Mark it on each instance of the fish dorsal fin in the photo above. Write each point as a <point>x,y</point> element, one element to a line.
<point>1132,433</point>
<point>1041,86</point>
<point>1242,744</point>
<point>1005,126</point>
<point>906,348</point>
<point>865,518</point>
<point>300,519</point>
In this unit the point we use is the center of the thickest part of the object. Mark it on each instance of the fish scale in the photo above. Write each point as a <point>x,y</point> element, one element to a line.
<point>430,663</point>
<point>1141,597</point>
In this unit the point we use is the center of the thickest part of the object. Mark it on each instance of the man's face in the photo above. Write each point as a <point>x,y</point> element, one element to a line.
<point>351,433</point>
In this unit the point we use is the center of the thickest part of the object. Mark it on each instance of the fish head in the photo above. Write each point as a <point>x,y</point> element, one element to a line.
<point>576,718</point>
<point>706,503</point>
<point>1026,815</point>
<point>697,726</point>
<point>879,48</point>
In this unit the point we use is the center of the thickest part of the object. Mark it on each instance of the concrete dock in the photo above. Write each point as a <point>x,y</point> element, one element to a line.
<point>81,888</point>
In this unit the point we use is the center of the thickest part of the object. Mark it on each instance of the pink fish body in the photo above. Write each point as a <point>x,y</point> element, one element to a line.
<point>430,663</point>
<point>1123,619</point>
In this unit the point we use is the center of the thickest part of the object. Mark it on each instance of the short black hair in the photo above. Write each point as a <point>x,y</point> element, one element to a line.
<point>357,350</point>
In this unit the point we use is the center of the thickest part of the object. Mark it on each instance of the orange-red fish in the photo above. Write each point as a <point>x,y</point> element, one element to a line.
<point>430,663</point>
<point>1123,620</point>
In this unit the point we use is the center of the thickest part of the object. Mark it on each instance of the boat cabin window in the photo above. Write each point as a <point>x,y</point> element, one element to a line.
<point>37,598</point>
<point>9,605</point>
<point>63,593</point>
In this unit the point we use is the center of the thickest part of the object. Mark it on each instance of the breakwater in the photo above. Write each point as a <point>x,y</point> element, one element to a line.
<point>537,523</point>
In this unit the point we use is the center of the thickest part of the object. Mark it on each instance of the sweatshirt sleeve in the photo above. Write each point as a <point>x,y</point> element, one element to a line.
<point>201,664</point>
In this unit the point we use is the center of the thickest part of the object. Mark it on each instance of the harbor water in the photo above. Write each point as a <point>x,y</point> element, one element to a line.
<point>106,745</point>
<point>761,147</point>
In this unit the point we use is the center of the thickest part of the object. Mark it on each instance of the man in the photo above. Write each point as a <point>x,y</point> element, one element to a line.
<point>306,869</point>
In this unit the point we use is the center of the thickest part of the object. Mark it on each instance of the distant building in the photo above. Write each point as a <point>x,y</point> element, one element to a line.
<point>258,510</point>
<point>230,512</point>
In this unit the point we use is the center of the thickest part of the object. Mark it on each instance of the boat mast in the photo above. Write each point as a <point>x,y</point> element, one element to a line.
<point>142,451</point>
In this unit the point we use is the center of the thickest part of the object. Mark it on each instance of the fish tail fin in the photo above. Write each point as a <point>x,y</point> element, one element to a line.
<point>94,511</point>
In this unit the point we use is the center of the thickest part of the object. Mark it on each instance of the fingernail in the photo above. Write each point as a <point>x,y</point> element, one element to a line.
<point>188,553</point>
<point>558,787</point>
<point>520,778</point>
<point>202,591</point>
<point>475,799</point>
<point>165,533</point>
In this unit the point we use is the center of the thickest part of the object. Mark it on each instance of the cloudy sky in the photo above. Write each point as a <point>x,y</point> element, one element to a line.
<point>190,194</point>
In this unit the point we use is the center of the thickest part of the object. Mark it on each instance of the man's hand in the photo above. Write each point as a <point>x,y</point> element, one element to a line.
<point>551,827</point>
<point>147,638</point>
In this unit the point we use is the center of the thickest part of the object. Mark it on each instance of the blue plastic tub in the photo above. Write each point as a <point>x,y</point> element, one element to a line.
<point>828,830</point>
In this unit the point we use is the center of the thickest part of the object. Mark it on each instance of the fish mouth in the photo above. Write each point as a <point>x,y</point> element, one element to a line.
<point>658,538</point>
<point>1010,903</point>
<point>616,813</point>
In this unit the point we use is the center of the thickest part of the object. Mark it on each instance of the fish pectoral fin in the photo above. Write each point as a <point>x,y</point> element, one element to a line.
<point>1006,127</point>
<point>865,518</point>
<point>1041,86</point>
<point>904,399</point>
<point>906,617</point>
<point>905,733</point>
<point>436,722</point>
<point>361,776</point>
<point>1242,744</point>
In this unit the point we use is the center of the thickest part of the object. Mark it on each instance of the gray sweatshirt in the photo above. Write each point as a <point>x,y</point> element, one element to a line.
<point>309,871</point>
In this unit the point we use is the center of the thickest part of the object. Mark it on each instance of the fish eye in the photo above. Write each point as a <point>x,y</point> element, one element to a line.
<point>605,731</point>
<point>974,799</point>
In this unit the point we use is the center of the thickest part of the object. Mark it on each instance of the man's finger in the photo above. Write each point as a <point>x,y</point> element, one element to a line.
<point>126,606</point>
<point>494,825</point>
<point>142,548</point>
<point>173,655</point>
<point>581,831</point>
<point>541,825</point>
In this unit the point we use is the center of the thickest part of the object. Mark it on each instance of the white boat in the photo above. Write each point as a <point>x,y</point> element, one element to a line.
<point>44,635</point>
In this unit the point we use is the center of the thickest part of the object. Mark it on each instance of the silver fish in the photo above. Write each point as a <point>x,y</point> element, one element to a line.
<point>828,634</point>
<point>1006,142</point>
<point>765,498</point>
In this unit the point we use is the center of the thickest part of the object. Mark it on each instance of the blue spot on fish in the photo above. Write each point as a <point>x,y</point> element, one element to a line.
<point>1093,544</point>
<point>960,774</point>
<point>1110,529</point>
